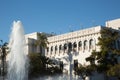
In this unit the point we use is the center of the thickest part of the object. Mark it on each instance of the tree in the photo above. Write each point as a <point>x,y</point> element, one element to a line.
<point>114,71</point>
<point>107,57</point>
<point>38,65</point>
<point>3,47</point>
<point>41,41</point>
<point>84,71</point>
<point>35,64</point>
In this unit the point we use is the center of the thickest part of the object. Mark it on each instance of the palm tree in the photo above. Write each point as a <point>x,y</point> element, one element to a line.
<point>41,42</point>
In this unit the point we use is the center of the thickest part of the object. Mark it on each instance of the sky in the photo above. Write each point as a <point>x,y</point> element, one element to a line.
<point>56,16</point>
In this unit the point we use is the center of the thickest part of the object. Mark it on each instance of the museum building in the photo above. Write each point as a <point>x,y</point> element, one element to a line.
<point>72,47</point>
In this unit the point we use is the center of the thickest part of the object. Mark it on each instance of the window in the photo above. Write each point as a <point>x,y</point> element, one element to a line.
<point>74,46</point>
<point>80,45</point>
<point>85,45</point>
<point>60,48</point>
<point>75,65</point>
<point>65,47</point>
<point>91,44</point>
<point>69,47</point>
<point>47,49</point>
<point>51,49</point>
<point>55,49</point>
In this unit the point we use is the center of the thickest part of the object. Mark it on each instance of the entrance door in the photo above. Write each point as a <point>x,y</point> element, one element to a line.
<point>75,65</point>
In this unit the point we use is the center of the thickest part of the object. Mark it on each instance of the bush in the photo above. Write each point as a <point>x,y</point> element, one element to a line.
<point>39,65</point>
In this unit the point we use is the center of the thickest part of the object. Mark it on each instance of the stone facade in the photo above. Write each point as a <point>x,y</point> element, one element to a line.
<point>31,46</point>
<point>30,42</point>
<point>115,24</point>
<point>73,46</point>
<point>81,42</point>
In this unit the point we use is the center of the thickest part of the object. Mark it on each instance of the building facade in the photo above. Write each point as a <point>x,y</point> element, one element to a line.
<point>30,42</point>
<point>31,46</point>
<point>72,47</point>
<point>82,42</point>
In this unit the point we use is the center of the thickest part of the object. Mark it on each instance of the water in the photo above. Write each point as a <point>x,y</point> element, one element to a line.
<point>58,77</point>
<point>17,62</point>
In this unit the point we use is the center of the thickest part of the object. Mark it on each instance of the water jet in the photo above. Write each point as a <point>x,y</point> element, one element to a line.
<point>17,61</point>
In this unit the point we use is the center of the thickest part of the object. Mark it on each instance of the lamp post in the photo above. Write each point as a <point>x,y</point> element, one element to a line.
<point>3,47</point>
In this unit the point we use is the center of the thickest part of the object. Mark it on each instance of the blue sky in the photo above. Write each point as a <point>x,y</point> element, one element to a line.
<point>58,16</point>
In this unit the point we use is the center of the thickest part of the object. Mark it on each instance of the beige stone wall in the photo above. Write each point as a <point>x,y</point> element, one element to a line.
<point>75,37</point>
<point>115,24</point>
<point>30,40</point>
<point>75,34</point>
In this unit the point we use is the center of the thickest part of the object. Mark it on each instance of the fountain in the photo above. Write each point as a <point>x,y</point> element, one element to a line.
<point>17,62</point>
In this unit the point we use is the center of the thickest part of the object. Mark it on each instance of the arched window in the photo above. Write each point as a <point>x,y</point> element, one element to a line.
<point>85,45</point>
<point>65,46</point>
<point>69,46</point>
<point>51,49</point>
<point>80,45</point>
<point>74,46</point>
<point>55,49</point>
<point>91,44</point>
<point>60,48</point>
<point>47,49</point>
